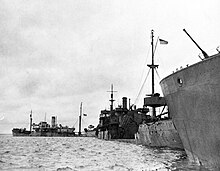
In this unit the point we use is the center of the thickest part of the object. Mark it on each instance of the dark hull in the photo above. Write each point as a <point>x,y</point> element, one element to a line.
<point>48,134</point>
<point>52,134</point>
<point>20,134</point>
<point>193,97</point>
<point>16,132</point>
<point>159,134</point>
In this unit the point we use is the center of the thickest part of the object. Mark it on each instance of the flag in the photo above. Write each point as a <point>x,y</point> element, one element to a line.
<point>84,114</point>
<point>163,41</point>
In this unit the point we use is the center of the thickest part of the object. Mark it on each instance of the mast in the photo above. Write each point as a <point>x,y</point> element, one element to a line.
<point>152,46</point>
<point>80,119</point>
<point>152,67</point>
<point>112,99</point>
<point>31,121</point>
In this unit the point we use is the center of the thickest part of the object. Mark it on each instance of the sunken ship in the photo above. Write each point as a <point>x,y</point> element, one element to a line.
<point>159,130</point>
<point>121,122</point>
<point>147,128</point>
<point>193,97</point>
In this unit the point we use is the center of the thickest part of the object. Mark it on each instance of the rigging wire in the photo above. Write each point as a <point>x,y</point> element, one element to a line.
<point>142,75</point>
<point>137,98</point>
<point>145,63</point>
<point>75,123</point>
<point>157,73</point>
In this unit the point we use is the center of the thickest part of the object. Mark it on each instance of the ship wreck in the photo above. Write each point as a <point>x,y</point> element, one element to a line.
<point>121,122</point>
<point>159,130</point>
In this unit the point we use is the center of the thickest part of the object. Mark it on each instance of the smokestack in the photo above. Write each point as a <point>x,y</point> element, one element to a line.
<point>124,102</point>
<point>53,122</point>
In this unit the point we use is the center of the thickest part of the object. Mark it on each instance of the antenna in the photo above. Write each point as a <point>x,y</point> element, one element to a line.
<point>203,52</point>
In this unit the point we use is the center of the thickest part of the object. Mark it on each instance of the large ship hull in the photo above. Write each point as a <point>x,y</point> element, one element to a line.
<point>193,97</point>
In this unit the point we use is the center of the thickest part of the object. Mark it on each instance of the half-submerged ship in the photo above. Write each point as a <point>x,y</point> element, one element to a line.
<point>158,130</point>
<point>122,122</point>
<point>137,124</point>
<point>193,97</point>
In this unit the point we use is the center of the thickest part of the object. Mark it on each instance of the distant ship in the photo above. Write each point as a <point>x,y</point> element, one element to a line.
<point>45,129</point>
<point>193,97</point>
<point>158,130</point>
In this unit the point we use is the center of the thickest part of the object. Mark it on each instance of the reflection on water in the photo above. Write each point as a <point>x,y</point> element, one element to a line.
<point>86,154</point>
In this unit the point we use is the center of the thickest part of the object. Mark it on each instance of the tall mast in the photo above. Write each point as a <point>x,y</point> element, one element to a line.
<point>152,67</point>
<point>80,119</point>
<point>112,99</point>
<point>152,46</point>
<point>31,121</point>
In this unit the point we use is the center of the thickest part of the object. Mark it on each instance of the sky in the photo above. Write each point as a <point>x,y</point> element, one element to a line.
<point>55,54</point>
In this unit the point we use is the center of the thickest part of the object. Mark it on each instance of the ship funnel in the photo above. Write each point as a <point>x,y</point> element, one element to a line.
<point>203,52</point>
<point>53,121</point>
<point>124,102</point>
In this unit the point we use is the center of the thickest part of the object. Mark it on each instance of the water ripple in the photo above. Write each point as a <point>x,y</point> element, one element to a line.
<point>83,154</point>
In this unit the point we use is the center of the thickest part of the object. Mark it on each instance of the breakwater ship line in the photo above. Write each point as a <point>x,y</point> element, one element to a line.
<point>131,123</point>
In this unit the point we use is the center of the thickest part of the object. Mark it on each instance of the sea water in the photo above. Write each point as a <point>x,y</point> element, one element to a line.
<point>86,154</point>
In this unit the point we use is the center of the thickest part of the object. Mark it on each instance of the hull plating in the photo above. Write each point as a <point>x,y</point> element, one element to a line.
<point>193,97</point>
<point>159,134</point>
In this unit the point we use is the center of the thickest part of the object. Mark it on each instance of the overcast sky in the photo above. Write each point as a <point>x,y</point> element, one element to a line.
<point>55,54</point>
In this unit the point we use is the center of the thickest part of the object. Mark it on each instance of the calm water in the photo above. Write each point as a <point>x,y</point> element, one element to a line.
<point>86,154</point>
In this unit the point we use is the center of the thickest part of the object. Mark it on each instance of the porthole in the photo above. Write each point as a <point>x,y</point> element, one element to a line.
<point>180,81</point>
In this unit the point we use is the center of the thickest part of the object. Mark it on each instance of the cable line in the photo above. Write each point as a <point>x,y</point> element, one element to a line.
<point>142,87</point>
<point>157,73</point>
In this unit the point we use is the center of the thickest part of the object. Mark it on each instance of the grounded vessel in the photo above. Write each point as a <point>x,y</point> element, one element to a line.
<point>121,122</point>
<point>158,131</point>
<point>193,97</point>
<point>131,123</point>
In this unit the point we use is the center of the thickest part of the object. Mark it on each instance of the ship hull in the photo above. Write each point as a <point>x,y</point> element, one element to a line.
<point>20,132</point>
<point>38,134</point>
<point>193,97</point>
<point>159,134</point>
<point>16,132</point>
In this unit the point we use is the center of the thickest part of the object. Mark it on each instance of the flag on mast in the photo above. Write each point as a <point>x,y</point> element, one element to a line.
<point>163,41</point>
